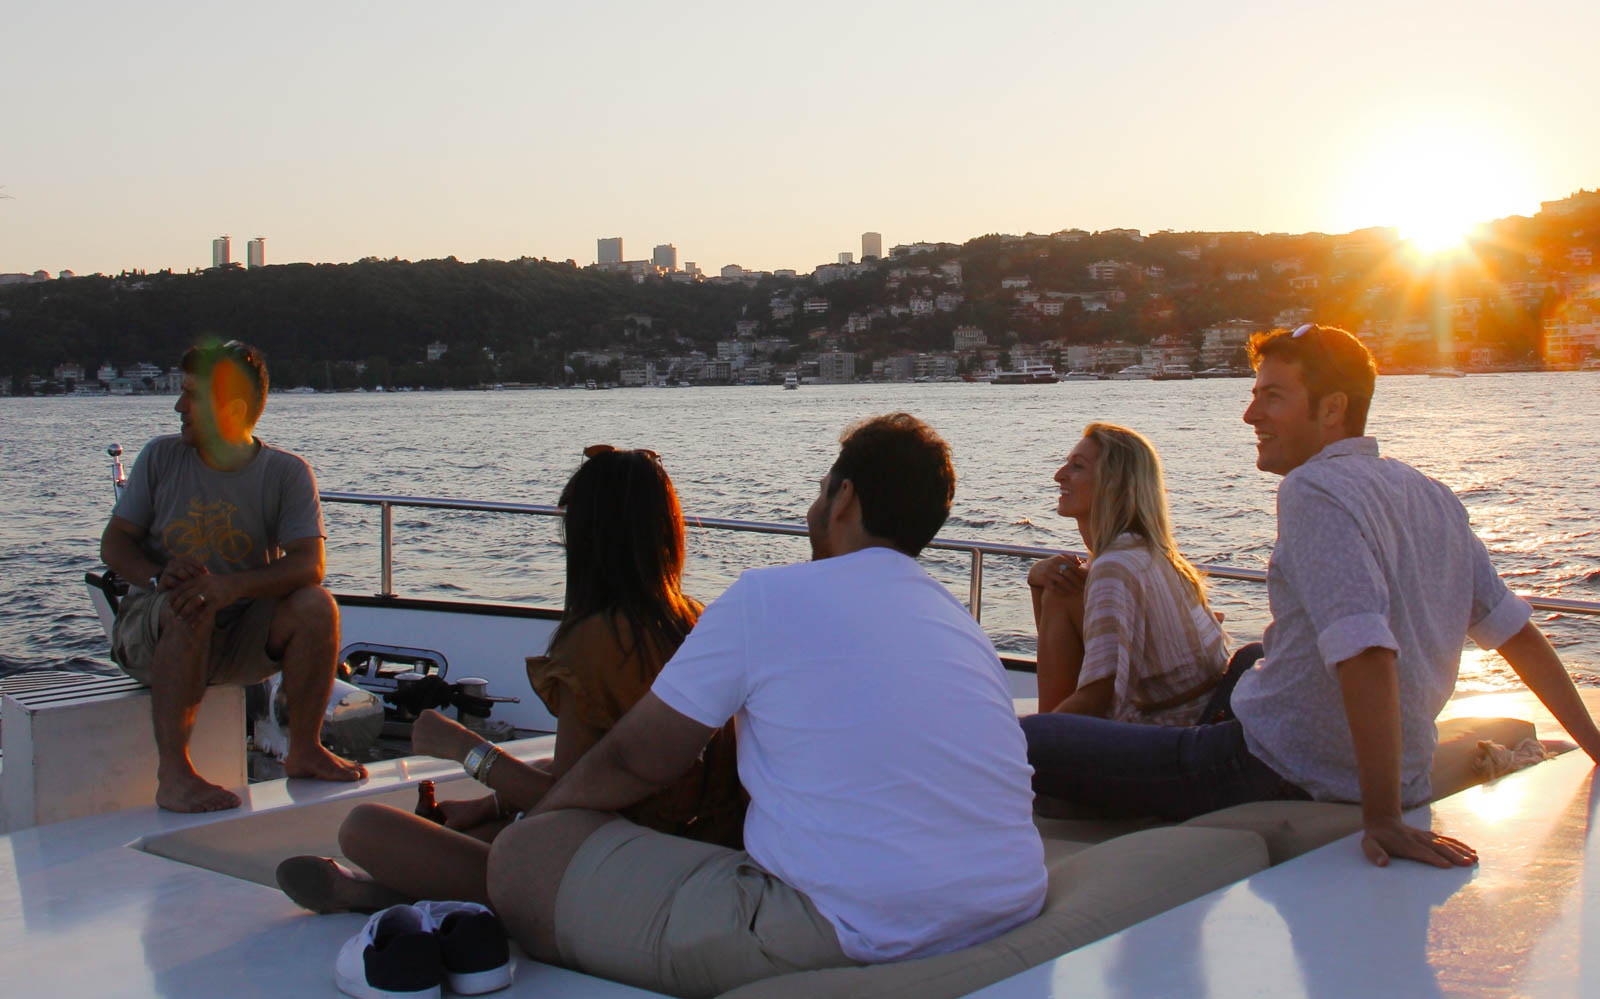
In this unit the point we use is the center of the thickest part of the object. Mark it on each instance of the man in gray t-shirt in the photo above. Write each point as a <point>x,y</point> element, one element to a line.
<point>220,538</point>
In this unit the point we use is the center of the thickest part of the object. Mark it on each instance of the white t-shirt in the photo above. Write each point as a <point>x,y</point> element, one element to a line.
<point>888,776</point>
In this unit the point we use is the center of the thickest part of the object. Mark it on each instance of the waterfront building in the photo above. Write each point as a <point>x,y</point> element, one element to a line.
<point>665,257</point>
<point>936,365</point>
<point>638,375</point>
<point>609,250</point>
<point>1220,344</point>
<point>147,375</point>
<point>898,368</point>
<point>436,350</point>
<point>221,251</point>
<point>1571,337</point>
<point>871,246</point>
<point>836,366</point>
<point>106,375</point>
<point>256,253</point>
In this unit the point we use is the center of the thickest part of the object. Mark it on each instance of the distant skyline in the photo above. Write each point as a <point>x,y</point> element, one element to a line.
<point>768,136</point>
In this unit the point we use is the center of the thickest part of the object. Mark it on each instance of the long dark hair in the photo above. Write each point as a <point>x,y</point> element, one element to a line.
<point>624,536</point>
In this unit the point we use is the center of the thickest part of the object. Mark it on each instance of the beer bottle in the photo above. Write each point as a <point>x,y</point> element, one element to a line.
<point>427,807</point>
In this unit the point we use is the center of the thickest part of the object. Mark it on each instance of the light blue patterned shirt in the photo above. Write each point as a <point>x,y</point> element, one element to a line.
<point>1370,553</point>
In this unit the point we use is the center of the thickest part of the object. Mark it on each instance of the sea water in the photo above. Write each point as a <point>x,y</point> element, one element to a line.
<point>1517,448</point>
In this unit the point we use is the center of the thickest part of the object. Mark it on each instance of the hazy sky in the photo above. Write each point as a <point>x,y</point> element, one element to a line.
<point>769,135</point>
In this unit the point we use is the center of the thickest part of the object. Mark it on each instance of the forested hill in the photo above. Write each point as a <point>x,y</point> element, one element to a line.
<point>529,314</point>
<point>531,320</point>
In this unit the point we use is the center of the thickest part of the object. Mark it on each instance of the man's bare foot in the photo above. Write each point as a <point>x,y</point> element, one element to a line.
<point>316,763</point>
<point>189,792</point>
<point>322,884</point>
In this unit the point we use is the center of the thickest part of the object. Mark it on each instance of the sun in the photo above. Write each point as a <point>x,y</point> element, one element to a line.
<point>1434,183</point>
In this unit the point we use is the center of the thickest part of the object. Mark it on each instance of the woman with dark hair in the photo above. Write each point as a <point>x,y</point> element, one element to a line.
<point>1129,635</point>
<point>625,614</point>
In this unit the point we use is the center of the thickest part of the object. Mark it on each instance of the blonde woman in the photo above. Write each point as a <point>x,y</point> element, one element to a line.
<point>1128,636</point>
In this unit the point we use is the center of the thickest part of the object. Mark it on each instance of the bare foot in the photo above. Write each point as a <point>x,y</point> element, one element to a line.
<point>189,792</point>
<point>322,884</point>
<point>316,763</point>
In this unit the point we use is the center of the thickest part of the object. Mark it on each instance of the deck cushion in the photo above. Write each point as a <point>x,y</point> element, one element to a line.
<point>1093,893</point>
<point>1291,828</point>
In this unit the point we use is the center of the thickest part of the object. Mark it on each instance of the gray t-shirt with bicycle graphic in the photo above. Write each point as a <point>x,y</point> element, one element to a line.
<point>231,521</point>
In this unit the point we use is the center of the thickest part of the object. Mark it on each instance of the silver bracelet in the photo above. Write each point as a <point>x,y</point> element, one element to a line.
<point>489,760</point>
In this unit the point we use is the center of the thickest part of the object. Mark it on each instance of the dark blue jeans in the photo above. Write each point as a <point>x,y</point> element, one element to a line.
<point>1168,772</point>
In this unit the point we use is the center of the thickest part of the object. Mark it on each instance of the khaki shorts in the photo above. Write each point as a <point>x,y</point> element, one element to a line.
<point>238,641</point>
<point>687,918</point>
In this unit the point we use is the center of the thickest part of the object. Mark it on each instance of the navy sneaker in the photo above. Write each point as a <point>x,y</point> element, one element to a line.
<point>395,956</point>
<point>472,944</point>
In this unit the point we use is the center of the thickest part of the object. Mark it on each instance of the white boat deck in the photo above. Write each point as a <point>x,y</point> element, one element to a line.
<point>1330,924</point>
<point>83,912</point>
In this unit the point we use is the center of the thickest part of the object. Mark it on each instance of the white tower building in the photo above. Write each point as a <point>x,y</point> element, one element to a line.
<point>221,251</point>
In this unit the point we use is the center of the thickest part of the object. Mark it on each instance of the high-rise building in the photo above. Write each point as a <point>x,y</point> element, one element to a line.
<point>610,251</point>
<point>665,257</point>
<point>871,246</point>
<point>256,252</point>
<point>221,251</point>
<point>847,258</point>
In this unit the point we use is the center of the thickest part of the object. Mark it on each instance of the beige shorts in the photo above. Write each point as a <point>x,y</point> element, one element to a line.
<point>687,918</point>
<point>238,641</point>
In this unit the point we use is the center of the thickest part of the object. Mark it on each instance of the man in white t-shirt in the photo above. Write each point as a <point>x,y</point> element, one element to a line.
<point>890,805</point>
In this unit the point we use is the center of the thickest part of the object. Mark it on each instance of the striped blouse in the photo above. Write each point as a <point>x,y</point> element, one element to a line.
<point>1143,626</point>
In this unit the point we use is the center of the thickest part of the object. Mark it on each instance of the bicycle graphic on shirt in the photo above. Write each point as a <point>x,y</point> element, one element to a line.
<point>207,530</point>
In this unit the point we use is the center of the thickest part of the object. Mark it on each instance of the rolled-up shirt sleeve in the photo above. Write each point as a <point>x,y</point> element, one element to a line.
<point>1497,613</point>
<point>1330,565</point>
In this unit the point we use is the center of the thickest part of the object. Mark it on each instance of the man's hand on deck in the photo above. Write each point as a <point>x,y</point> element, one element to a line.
<point>1393,838</point>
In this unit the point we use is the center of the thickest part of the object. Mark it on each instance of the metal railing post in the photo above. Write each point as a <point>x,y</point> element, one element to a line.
<point>386,551</point>
<point>975,586</point>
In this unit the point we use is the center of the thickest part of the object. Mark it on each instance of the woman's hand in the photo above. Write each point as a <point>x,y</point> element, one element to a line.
<point>1064,574</point>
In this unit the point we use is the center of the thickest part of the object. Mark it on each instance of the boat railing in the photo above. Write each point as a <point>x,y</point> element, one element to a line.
<point>976,551</point>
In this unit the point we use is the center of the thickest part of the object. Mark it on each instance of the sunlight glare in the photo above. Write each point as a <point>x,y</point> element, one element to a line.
<point>1435,184</point>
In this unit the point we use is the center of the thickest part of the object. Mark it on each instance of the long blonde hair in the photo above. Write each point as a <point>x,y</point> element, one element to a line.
<point>1130,497</point>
